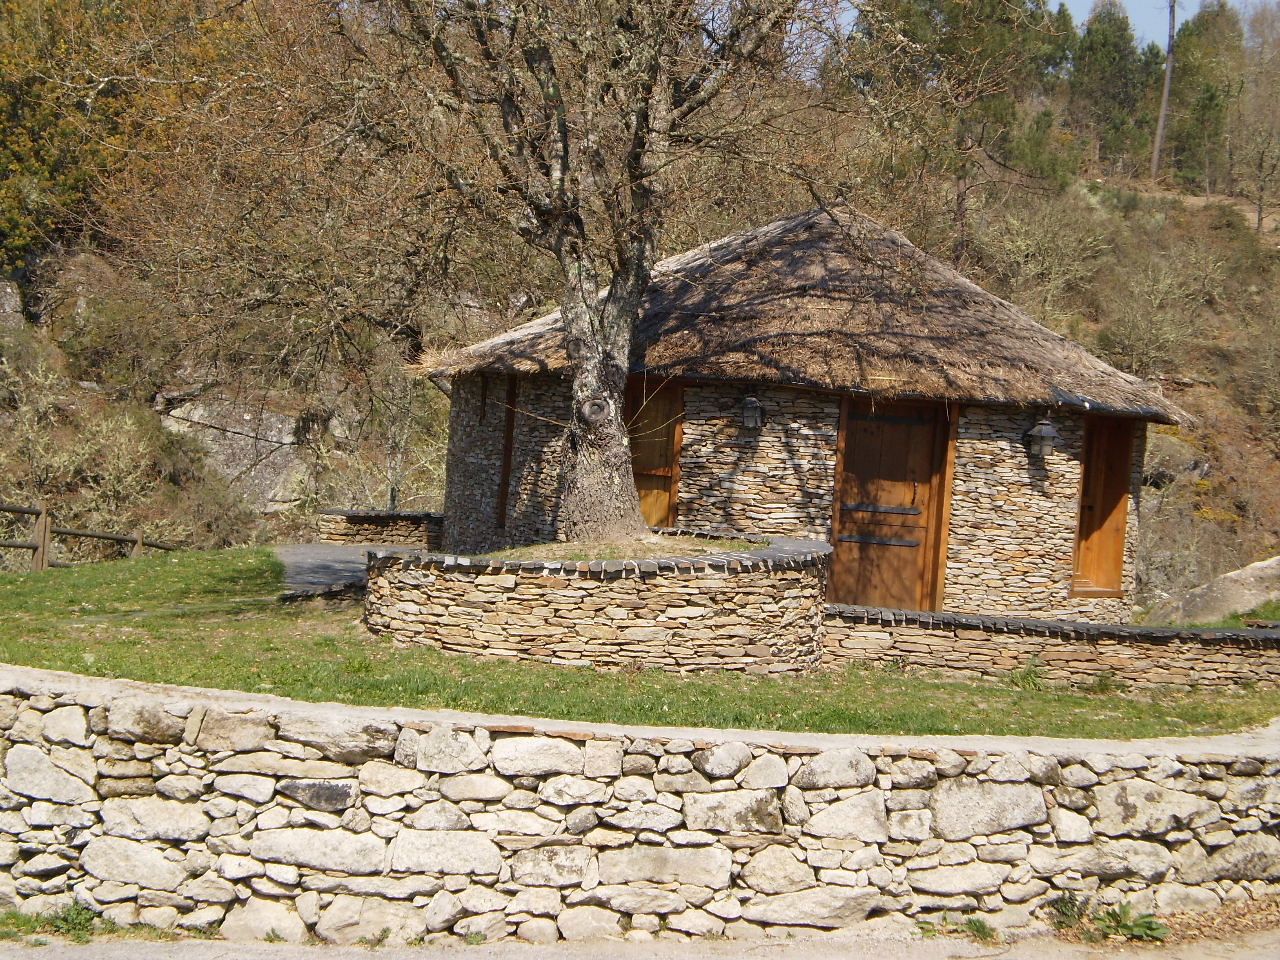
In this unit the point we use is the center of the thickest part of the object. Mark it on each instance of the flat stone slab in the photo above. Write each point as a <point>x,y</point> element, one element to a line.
<point>1259,742</point>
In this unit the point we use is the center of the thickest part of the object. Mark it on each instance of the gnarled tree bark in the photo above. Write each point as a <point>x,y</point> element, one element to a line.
<point>577,109</point>
<point>598,497</point>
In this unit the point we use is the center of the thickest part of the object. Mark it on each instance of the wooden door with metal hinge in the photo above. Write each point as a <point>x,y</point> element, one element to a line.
<point>654,414</point>
<point>891,507</point>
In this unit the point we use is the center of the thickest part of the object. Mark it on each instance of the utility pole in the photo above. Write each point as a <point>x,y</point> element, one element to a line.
<point>1164,97</point>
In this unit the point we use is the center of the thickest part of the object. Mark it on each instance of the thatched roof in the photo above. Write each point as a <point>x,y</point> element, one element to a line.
<point>833,300</point>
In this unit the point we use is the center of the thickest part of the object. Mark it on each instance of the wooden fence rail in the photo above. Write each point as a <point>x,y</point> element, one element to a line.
<point>43,531</point>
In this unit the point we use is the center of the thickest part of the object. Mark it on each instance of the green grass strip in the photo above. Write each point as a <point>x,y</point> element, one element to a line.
<point>197,631</point>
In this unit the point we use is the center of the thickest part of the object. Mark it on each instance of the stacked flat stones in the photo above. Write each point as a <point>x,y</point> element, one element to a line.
<point>974,646</point>
<point>764,611</point>
<point>178,807</point>
<point>1012,541</point>
<point>380,526</point>
<point>778,480</point>
<point>758,611</point>
<point>478,461</point>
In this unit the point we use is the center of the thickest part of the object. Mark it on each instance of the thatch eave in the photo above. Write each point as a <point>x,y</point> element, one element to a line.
<point>830,300</point>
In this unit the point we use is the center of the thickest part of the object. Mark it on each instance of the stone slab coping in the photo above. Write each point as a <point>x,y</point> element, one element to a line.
<point>1062,629</point>
<point>383,514</point>
<point>1259,743</point>
<point>774,553</point>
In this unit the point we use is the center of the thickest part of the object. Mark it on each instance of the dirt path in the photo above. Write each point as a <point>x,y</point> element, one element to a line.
<point>892,942</point>
<point>1270,214</point>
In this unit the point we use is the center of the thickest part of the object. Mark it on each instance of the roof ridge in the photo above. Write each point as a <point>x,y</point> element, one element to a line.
<point>672,263</point>
<point>853,306</point>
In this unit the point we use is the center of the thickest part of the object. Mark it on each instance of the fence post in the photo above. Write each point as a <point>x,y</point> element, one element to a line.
<point>40,535</point>
<point>136,550</point>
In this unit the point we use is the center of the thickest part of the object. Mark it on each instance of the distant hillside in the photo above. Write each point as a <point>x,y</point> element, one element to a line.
<point>1185,292</point>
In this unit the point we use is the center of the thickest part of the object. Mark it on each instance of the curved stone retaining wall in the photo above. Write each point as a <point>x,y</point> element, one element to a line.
<point>177,806</point>
<point>763,612</point>
<point>1077,653</point>
<point>380,526</point>
<point>758,610</point>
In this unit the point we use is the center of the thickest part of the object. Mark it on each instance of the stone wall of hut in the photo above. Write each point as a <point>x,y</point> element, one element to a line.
<point>474,463</point>
<point>1011,538</point>
<point>1011,542</point>
<point>777,480</point>
<point>477,516</point>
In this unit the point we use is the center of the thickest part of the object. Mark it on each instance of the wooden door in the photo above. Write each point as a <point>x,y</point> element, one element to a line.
<point>1104,508</point>
<point>889,512</point>
<point>654,412</point>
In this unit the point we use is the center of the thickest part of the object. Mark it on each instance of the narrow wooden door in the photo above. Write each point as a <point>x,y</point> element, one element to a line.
<point>654,410</point>
<point>889,509</point>
<point>1104,508</point>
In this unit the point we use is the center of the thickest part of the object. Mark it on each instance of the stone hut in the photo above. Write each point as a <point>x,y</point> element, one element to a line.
<point>822,377</point>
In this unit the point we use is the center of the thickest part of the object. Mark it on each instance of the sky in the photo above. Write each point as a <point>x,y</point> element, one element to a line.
<point>1149,18</point>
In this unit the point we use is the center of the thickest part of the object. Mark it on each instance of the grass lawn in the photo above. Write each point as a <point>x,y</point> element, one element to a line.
<point>206,619</point>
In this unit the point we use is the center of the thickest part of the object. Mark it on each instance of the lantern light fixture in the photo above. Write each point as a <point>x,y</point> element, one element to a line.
<point>1041,437</point>
<point>752,413</point>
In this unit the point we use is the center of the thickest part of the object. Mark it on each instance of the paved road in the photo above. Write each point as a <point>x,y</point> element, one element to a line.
<point>317,566</point>
<point>887,942</point>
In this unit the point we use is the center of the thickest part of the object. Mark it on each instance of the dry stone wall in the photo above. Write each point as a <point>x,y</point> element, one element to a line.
<point>756,610</point>
<point>181,807</point>
<point>777,480</point>
<point>974,646</point>
<point>1011,542</point>
<point>764,611</point>
<point>381,526</point>
<point>1011,538</point>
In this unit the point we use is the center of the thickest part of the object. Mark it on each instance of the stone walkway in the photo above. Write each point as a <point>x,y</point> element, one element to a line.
<point>887,942</point>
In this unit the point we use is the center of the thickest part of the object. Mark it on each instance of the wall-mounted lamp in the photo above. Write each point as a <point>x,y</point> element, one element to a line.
<point>752,413</point>
<point>1040,438</point>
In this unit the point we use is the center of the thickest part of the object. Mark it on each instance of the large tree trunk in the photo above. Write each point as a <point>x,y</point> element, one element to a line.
<point>598,502</point>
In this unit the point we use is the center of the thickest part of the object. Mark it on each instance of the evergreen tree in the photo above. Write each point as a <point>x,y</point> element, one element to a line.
<point>1042,151</point>
<point>1209,52</point>
<point>996,55</point>
<point>1150,71</point>
<point>1106,82</point>
<point>52,141</point>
